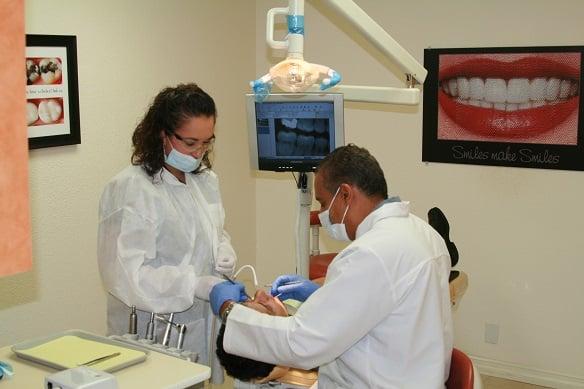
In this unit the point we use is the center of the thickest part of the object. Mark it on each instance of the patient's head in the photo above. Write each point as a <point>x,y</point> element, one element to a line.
<point>265,303</point>
<point>246,369</point>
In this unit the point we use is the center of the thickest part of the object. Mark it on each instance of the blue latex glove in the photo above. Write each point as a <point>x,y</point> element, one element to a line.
<point>292,286</point>
<point>226,291</point>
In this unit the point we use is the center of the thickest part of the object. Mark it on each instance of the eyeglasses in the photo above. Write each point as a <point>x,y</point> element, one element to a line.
<point>193,146</point>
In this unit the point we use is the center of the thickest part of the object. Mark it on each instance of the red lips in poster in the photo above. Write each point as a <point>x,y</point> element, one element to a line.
<point>529,98</point>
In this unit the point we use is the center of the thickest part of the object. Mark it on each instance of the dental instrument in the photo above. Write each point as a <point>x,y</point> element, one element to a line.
<point>233,282</point>
<point>289,283</point>
<point>150,328</point>
<point>182,329</point>
<point>286,284</point>
<point>292,283</point>
<point>133,328</point>
<point>100,359</point>
<point>169,324</point>
<point>149,340</point>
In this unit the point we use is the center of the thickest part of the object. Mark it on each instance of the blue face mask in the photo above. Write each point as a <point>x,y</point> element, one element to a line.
<point>183,162</point>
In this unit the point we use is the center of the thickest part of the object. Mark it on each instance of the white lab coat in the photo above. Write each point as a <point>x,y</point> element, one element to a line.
<point>155,240</point>
<point>382,318</point>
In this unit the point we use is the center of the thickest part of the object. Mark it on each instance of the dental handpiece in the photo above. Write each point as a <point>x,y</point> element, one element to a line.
<point>150,328</point>
<point>166,338</point>
<point>182,329</point>
<point>133,321</point>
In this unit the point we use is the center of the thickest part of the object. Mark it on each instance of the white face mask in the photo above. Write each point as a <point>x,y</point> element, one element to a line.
<point>183,162</point>
<point>337,231</point>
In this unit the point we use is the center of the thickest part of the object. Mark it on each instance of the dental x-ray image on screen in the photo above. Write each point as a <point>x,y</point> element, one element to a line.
<point>294,132</point>
<point>304,136</point>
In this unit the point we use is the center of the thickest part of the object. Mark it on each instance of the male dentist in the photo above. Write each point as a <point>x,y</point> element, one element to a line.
<point>382,319</point>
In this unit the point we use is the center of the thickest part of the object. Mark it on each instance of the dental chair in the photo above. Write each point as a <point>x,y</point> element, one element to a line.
<point>458,280</point>
<point>463,374</point>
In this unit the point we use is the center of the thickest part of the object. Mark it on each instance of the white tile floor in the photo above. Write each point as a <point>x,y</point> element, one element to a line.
<point>500,383</point>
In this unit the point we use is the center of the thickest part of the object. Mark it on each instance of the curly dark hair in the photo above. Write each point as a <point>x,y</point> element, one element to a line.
<point>353,165</point>
<point>243,369</point>
<point>169,110</point>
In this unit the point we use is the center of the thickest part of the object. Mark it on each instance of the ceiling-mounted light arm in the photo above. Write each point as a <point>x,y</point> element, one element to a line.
<point>379,37</point>
<point>415,73</point>
<point>294,41</point>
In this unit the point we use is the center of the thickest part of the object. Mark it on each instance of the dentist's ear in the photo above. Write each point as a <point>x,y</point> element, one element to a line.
<point>346,191</point>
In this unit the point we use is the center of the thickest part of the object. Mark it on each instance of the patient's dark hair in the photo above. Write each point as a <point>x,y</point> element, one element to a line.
<point>243,369</point>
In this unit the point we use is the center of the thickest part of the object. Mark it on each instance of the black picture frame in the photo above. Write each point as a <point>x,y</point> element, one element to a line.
<point>52,91</point>
<point>540,132</point>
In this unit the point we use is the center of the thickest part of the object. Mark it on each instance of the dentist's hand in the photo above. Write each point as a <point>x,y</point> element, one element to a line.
<point>292,286</point>
<point>226,291</point>
<point>225,265</point>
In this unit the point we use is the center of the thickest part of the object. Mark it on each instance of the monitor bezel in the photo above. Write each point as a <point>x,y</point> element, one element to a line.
<point>305,165</point>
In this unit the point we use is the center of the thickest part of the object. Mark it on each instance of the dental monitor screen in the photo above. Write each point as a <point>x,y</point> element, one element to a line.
<point>294,132</point>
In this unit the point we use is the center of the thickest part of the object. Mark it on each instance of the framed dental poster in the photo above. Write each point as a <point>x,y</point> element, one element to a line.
<point>505,106</point>
<point>52,95</point>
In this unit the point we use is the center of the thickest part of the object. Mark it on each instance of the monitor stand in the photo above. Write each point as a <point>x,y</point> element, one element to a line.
<point>304,185</point>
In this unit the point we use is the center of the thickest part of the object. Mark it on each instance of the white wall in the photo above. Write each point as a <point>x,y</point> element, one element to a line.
<point>518,230</point>
<point>127,51</point>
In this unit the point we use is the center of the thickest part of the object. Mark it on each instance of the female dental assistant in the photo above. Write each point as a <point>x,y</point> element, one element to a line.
<point>161,235</point>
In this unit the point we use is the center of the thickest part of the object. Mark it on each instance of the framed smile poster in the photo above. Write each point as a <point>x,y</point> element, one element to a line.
<point>506,106</point>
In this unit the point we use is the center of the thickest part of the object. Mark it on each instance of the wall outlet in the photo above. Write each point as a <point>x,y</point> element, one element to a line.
<point>491,333</point>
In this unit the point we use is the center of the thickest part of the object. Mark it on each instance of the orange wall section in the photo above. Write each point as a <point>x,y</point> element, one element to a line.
<point>15,229</point>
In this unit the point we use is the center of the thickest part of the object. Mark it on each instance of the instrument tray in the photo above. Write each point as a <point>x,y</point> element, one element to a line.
<point>72,348</point>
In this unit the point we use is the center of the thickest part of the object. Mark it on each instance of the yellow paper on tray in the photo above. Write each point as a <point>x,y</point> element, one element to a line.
<point>71,351</point>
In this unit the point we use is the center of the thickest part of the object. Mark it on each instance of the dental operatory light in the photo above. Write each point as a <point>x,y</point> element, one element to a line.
<point>294,74</point>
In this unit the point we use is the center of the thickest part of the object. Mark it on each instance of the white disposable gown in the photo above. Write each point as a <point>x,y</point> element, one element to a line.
<point>156,240</point>
<point>382,319</point>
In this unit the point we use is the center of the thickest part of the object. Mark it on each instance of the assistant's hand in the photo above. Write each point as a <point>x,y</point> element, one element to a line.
<point>226,291</point>
<point>204,285</point>
<point>292,286</point>
<point>225,265</point>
